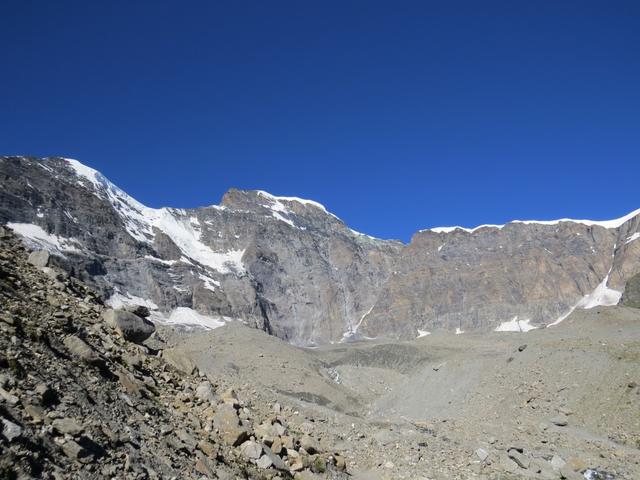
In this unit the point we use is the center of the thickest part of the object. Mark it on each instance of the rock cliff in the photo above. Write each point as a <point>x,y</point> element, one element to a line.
<point>290,267</point>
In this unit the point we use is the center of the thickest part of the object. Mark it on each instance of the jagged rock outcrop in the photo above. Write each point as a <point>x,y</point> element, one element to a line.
<point>291,268</point>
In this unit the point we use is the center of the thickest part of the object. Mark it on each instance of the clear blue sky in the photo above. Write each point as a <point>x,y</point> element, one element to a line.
<point>396,115</point>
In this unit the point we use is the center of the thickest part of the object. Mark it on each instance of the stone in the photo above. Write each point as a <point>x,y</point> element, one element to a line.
<point>560,421</point>
<point>251,449</point>
<point>77,452</point>
<point>8,397</point>
<point>482,454</point>
<point>10,430</point>
<point>205,392</point>
<point>309,444</point>
<point>39,258</point>
<point>36,412</point>
<point>227,422</point>
<point>557,463</point>
<point>522,348</point>
<point>264,462</point>
<point>67,426</point>
<point>129,326</point>
<point>48,395</point>
<point>276,461</point>
<point>507,464</point>
<point>81,349</point>
<point>519,458</point>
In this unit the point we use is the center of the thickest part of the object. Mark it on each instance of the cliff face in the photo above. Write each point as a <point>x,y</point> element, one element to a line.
<point>288,266</point>
<point>282,264</point>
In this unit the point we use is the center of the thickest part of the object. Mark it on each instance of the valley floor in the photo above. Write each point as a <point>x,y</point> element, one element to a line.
<point>561,402</point>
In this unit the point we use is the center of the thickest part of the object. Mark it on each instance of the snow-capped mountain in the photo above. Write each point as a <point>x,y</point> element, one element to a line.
<point>290,267</point>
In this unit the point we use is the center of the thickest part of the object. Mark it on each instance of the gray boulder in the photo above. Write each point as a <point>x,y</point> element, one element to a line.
<point>129,326</point>
<point>39,258</point>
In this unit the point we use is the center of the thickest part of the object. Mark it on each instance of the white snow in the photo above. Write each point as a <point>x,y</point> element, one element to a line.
<point>279,206</point>
<point>118,300</point>
<point>209,283</point>
<point>459,331</point>
<point>633,237</point>
<point>602,223</point>
<point>360,234</point>
<point>423,333</point>
<point>355,329</point>
<point>160,260</point>
<point>140,222</point>
<point>515,325</point>
<point>601,296</point>
<point>562,317</point>
<point>36,236</point>
<point>189,317</point>
<point>283,219</point>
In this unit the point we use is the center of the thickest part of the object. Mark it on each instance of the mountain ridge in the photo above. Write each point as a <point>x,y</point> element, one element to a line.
<point>288,266</point>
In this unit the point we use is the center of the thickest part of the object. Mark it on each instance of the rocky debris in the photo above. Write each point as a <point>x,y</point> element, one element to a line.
<point>129,325</point>
<point>80,398</point>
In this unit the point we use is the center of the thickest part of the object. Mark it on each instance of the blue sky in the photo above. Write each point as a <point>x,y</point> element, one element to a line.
<point>396,115</point>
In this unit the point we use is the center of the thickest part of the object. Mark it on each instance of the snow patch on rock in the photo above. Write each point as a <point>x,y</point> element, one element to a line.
<point>140,221</point>
<point>515,325</point>
<point>191,319</point>
<point>35,236</point>
<point>119,300</point>
<point>633,237</point>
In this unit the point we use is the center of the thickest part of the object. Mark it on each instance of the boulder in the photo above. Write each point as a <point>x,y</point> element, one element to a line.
<point>205,392</point>
<point>67,426</point>
<point>227,422</point>
<point>81,349</point>
<point>251,449</point>
<point>129,326</point>
<point>39,258</point>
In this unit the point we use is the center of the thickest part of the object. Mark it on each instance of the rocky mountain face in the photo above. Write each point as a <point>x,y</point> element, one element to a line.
<point>81,395</point>
<point>289,267</point>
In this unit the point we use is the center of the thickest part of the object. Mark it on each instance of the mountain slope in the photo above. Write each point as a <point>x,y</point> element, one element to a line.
<point>289,267</point>
<point>282,264</point>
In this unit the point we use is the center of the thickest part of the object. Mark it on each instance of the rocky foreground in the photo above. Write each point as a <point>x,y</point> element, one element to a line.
<point>82,397</point>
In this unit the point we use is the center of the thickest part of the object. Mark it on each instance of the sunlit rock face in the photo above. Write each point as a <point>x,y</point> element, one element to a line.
<point>289,267</point>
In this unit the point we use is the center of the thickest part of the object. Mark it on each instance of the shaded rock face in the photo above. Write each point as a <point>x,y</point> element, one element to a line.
<point>631,296</point>
<point>291,268</point>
